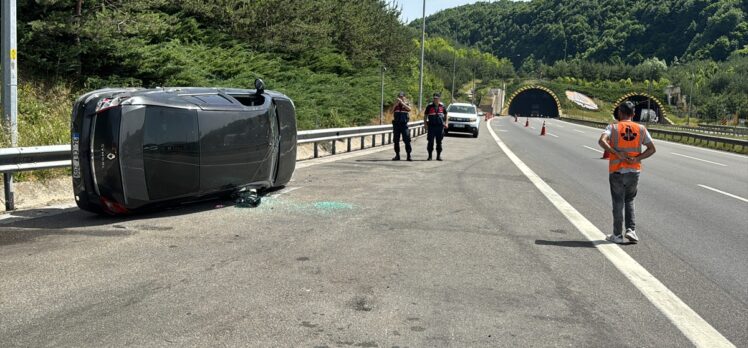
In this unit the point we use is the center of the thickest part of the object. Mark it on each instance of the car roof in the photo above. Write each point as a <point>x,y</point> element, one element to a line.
<point>461,104</point>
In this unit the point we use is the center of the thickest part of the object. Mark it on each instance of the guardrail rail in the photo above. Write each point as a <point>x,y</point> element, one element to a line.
<point>704,140</point>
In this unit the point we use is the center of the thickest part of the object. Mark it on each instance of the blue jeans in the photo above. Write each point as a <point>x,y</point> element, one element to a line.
<point>623,188</point>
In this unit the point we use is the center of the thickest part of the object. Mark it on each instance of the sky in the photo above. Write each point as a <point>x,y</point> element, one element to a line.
<point>413,9</point>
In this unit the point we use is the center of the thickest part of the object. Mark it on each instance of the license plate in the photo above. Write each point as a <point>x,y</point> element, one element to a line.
<point>76,156</point>
<point>459,126</point>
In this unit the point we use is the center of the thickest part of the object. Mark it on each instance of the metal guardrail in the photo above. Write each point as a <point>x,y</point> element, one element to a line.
<point>727,130</point>
<point>333,135</point>
<point>20,159</point>
<point>736,145</point>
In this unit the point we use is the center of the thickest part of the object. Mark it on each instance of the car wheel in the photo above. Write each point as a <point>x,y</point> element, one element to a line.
<point>475,134</point>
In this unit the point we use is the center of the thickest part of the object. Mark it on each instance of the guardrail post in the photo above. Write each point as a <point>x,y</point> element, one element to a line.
<point>8,188</point>
<point>363,141</point>
<point>316,151</point>
<point>373,140</point>
<point>349,145</point>
<point>334,146</point>
<point>389,138</point>
<point>383,137</point>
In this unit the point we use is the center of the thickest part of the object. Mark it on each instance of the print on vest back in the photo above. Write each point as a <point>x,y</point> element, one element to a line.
<point>629,134</point>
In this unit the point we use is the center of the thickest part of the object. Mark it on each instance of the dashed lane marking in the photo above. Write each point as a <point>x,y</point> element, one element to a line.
<point>593,149</point>
<point>724,193</point>
<point>698,159</point>
<point>690,323</point>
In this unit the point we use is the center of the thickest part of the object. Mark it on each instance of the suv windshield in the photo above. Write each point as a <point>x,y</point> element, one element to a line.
<point>461,109</point>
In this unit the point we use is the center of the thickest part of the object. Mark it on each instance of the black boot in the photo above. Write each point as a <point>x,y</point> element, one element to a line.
<point>409,159</point>
<point>397,157</point>
<point>438,156</point>
<point>429,159</point>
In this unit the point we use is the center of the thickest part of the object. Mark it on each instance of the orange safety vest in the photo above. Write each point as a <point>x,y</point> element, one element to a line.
<point>625,137</point>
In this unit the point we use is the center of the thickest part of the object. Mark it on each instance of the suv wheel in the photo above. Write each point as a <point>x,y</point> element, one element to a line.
<point>475,133</point>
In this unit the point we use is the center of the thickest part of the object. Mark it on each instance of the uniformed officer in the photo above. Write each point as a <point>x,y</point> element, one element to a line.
<point>436,122</point>
<point>400,125</point>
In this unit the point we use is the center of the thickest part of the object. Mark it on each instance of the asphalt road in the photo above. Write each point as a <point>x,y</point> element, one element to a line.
<point>365,252</point>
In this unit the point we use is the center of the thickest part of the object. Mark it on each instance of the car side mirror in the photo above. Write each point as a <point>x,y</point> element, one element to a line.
<point>260,86</point>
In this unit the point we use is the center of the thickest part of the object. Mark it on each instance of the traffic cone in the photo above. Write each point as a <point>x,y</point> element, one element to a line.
<point>606,155</point>
<point>542,130</point>
<point>527,122</point>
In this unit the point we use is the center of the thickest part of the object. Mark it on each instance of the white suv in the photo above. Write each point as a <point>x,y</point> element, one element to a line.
<point>464,118</point>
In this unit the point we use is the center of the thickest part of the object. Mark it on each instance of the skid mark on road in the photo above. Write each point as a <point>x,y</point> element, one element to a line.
<point>690,323</point>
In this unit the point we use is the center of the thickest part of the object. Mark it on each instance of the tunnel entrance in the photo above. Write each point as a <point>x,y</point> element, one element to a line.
<point>656,113</point>
<point>534,101</point>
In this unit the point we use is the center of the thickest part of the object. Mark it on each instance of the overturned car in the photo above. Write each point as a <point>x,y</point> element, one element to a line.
<point>134,149</point>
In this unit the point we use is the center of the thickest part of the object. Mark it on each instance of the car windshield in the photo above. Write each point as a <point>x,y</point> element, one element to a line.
<point>462,109</point>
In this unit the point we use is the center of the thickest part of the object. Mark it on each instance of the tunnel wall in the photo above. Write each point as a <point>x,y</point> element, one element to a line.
<point>640,99</point>
<point>534,101</point>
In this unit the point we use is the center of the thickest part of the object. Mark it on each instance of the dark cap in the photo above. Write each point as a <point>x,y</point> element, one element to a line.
<point>627,107</point>
<point>437,95</point>
<point>401,94</point>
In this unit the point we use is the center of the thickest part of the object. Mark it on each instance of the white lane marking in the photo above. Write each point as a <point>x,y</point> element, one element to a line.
<point>578,131</point>
<point>698,159</point>
<point>503,130</point>
<point>724,193</point>
<point>335,158</point>
<point>675,143</point>
<point>285,191</point>
<point>551,134</point>
<point>693,326</point>
<point>593,149</point>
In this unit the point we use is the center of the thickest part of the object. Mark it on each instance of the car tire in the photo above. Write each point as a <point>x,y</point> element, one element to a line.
<point>475,134</point>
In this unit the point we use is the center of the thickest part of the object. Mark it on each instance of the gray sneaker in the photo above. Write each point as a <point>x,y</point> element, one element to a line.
<point>631,236</point>
<point>615,239</point>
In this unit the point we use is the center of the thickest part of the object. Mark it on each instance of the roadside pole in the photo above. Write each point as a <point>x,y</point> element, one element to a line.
<point>454,70</point>
<point>423,51</point>
<point>10,87</point>
<point>381,104</point>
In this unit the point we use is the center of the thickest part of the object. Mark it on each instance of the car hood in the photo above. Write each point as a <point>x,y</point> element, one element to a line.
<point>455,114</point>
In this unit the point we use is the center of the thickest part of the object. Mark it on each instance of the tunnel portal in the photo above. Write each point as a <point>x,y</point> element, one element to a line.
<point>534,102</point>
<point>640,100</point>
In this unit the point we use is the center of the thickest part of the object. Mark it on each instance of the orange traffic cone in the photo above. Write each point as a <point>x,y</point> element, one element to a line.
<point>542,130</point>
<point>527,122</point>
<point>606,155</point>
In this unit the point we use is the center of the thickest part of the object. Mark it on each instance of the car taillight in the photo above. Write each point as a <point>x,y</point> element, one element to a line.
<point>108,103</point>
<point>113,207</point>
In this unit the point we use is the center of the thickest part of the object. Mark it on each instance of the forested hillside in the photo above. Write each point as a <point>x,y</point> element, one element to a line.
<point>606,46</point>
<point>328,55</point>
<point>627,31</point>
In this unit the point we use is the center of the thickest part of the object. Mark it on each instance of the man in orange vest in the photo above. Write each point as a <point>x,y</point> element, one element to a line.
<point>624,142</point>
